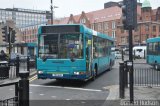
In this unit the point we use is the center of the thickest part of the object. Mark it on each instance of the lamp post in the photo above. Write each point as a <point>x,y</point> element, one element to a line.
<point>51,12</point>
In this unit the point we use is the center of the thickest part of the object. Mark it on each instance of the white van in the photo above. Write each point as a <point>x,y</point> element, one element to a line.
<point>139,51</point>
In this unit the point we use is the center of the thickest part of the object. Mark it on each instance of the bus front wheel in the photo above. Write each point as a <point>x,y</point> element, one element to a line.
<point>94,74</point>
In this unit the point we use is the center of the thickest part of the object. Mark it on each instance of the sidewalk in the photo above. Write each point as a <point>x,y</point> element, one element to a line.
<point>13,78</point>
<point>143,96</point>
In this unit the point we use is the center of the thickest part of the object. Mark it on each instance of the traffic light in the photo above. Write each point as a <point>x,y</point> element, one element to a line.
<point>5,33</point>
<point>129,11</point>
<point>13,36</point>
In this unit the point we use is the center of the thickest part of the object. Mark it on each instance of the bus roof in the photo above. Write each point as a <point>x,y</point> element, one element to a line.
<point>84,29</point>
<point>156,39</point>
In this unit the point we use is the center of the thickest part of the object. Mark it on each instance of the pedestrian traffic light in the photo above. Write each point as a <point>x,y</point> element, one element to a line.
<point>5,33</point>
<point>129,11</point>
<point>13,36</point>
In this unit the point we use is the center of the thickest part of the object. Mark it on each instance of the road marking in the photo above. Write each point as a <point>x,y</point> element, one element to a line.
<point>41,94</point>
<point>70,88</point>
<point>68,99</point>
<point>53,96</point>
<point>33,78</point>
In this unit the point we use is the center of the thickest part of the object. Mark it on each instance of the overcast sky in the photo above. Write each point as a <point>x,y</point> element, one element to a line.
<point>66,7</point>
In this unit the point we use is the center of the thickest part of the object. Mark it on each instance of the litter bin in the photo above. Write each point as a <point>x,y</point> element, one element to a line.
<point>4,70</point>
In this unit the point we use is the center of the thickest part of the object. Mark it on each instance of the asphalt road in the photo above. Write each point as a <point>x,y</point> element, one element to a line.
<point>71,93</point>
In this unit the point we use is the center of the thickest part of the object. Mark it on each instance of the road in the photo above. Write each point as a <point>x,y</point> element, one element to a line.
<point>74,92</point>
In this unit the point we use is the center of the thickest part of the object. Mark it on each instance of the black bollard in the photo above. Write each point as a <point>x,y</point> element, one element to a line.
<point>17,66</point>
<point>24,88</point>
<point>134,54</point>
<point>121,80</point>
<point>28,64</point>
<point>122,55</point>
<point>125,74</point>
<point>144,54</point>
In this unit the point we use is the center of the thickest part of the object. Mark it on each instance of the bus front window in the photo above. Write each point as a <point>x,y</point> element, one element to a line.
<point>61,46</point>
<point>48,46</point>
<point>71,46</point>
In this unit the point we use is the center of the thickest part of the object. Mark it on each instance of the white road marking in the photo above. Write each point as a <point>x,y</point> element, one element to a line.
<point>68,99</point>
<point>70,88</point>
<point>53,96</point>
<point>41,94</point>
<point>11,89</point>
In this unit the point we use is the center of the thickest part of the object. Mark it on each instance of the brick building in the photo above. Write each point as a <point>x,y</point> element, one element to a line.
<point>148,25</point>
<point>109,21</point>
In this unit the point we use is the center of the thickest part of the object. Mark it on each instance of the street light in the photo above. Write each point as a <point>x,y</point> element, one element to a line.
<point>52,7</point>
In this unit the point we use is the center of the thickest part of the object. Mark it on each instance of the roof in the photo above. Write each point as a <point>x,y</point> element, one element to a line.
<point>146,3</point>
<point>102,15</point>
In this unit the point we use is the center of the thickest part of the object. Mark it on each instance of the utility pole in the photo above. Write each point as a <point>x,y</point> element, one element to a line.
<point>51,12</point>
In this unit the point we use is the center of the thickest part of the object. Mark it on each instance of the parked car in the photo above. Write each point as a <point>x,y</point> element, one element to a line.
<point>118,55</point>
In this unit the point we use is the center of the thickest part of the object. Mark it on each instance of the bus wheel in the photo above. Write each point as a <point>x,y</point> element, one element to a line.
<point>110,67</point>
<point>95,74</point>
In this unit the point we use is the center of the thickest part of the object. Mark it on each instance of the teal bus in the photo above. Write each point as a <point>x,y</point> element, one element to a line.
<point>72,52</point>
<point>153,52</point>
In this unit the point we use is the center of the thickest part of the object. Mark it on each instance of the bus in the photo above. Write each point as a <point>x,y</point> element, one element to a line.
<point>153,52</point>
<point>72,52</point>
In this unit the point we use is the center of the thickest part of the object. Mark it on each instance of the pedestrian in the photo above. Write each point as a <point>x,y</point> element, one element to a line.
<point>3,56</point>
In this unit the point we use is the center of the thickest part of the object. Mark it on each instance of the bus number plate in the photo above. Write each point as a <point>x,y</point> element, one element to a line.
<point>57,75</point>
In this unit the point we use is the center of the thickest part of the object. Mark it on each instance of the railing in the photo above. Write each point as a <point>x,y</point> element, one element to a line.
<point>11,101</point>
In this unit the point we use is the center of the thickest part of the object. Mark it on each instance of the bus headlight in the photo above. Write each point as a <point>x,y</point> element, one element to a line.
<point>79,73</point>
<point>76,73</point>
<point>40,72</point>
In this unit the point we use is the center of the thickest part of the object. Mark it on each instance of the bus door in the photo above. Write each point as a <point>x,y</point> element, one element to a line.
<point>89,54</point>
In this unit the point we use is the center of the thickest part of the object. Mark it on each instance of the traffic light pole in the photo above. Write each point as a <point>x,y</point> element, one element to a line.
<point>131,66</point>
<point>9,39</point>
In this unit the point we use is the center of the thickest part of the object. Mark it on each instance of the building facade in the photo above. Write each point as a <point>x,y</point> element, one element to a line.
<point>26,20</point>
<point>109,21</point>
<point>148,26</point>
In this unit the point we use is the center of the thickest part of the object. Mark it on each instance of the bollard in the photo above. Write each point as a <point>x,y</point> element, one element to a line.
<point>134,55</point>
<point>122,55</point>
<point>125,74</point>
<point>17,66</point>
<point>16,93</point>
<point>24,88</point>
<point>144,54</point>
<point>121,80</point>
<point>28,64</point>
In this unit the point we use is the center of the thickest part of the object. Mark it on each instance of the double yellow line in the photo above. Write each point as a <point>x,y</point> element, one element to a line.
<point>33,78</point>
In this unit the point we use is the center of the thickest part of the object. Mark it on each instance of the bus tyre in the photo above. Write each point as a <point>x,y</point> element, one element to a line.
<point>94,74</point>
<point>110,67</point>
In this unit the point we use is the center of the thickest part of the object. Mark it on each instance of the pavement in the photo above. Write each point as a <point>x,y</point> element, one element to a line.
<point>143,96</point>
<point>13,78</point>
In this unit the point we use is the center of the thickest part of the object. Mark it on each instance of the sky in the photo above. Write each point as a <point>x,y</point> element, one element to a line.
<point>65,7</point>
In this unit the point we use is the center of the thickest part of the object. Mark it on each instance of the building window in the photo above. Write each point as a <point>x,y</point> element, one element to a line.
<point>113,25</point>
<point>122,30</point>
<point>105,25</point>
<point>83,21</point>
<point>99,26</point>
<point>70,22</point>
<point>154,28</point>
<point>113,34</point>
<point>123,40</point>
<point>147,28</point>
